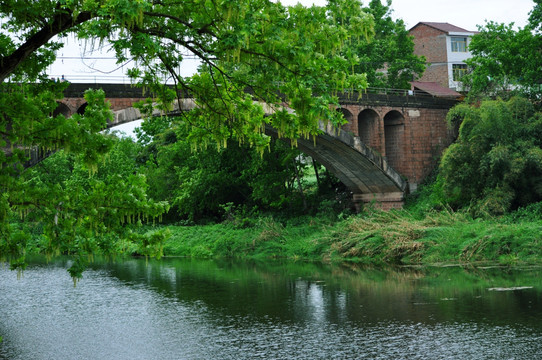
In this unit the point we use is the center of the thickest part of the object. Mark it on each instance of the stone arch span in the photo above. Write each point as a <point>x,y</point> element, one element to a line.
<point>425,133</point>
<point>62,109</point>
<point>362,170</point>
<point>366,173</point>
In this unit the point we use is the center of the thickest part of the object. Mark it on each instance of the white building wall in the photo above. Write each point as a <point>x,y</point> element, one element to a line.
<point>456,57</point>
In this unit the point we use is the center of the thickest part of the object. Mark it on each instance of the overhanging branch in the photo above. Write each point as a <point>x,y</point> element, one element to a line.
<point>63,20</point>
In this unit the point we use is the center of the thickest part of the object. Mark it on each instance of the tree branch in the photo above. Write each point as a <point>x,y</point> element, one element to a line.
<point>62,21</point>
<point>202,30</point>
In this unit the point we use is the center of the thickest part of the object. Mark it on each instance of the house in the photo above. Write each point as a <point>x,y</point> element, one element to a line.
<point>445,47</point>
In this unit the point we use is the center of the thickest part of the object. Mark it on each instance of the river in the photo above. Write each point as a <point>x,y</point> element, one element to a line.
<point>186,309</point>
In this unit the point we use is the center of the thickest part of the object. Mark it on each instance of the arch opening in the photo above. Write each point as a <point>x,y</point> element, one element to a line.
<point>62,109</point>
<point>368,128</point>
<point>348,117</point>
<point>394,134</point>
<point>82,108</point>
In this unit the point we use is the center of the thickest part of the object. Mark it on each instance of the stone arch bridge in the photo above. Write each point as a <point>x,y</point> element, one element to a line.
<point>389,145</point>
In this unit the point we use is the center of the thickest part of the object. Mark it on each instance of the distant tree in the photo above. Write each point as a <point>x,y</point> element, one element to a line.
<point>506,61</point>
<point>388,57</point>
<point>199,184</point>
<point>535,17</point>
<point>496,163</point>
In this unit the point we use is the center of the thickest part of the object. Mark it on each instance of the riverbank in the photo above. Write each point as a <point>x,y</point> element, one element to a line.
<point>374,237</point>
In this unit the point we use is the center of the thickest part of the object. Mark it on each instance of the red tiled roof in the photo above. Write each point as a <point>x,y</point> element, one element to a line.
<point>444,27</point>
<point>435,89</point>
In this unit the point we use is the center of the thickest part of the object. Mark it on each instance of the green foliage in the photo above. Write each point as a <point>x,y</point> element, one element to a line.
<point>387,58</point>
<point>290,55</point>
<point>267,238</point>
<point>529,213</point>
<point>228,183</point>
<point>496,163</point>
<point>255,54</point>
<point>506,61</point>
<point>77,267</point>
<point>535,17</point>
<point>70,208</point>
<point>27,125</point>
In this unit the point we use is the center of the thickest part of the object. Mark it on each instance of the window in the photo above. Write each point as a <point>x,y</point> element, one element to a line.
<point>459,70</point>
<point>459,44</point>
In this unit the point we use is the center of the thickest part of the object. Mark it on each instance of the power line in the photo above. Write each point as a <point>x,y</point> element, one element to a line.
<point>107,57</point>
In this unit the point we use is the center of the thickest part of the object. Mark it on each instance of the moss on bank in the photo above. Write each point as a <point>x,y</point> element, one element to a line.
<point>395,237</point>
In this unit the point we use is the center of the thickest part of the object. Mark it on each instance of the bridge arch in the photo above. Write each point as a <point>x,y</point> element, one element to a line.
<point>81,109</point>
<point>377,120</point>
<point>394,138</point>
<point>62,109</point>
<point>348,117</point>
<point>362,170</point>
<point>368,124</point>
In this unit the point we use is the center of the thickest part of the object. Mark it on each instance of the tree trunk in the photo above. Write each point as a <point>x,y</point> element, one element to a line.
<point>299,186</point>
<point>315,166</point>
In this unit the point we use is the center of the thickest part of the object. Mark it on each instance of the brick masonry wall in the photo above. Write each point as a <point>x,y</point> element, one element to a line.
<point>371,130</point>
<point>436,73</point>
<point>350,125</point>
<point>431,43</point>
<point>427,135</point>
<point>123,103</point>
<point>412,141</point>
<point>390,205</point>
<point>394,137</point>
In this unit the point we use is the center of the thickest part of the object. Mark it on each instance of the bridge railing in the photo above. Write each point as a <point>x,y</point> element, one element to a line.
<point>396,98</point>
<point>397,92</point>
<point>93,79</point>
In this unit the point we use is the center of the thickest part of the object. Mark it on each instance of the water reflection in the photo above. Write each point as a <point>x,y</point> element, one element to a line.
<point>184,309</point>
<point>306,292</point>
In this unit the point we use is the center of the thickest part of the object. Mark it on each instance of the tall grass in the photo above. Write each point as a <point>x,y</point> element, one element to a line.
<point>439,237</point>
<point>267,238</point>
<point>376,237</point>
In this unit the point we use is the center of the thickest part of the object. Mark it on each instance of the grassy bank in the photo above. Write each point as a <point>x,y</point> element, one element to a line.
<point>373,237</point>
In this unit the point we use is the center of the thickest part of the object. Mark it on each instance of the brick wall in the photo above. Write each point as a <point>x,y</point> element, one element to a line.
<point>427,135</point>
<point>436,73</point>
<point>431,43</point>
<point>350,125</point>
<point>370,129</point>
<point>412,139</point>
